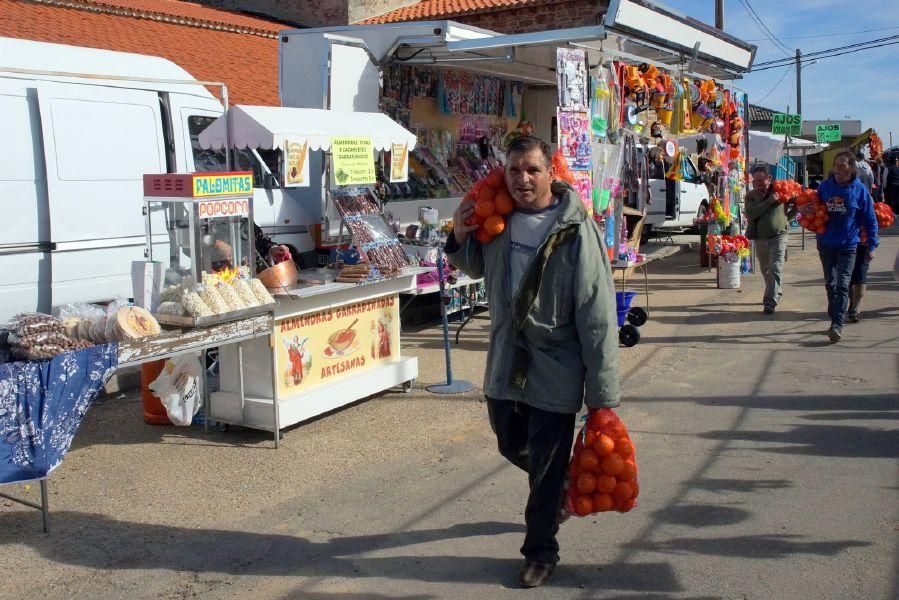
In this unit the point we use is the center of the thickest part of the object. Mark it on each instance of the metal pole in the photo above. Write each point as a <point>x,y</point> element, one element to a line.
<point>799,100</point>
<point>719,14</point>
<point>450,387</point>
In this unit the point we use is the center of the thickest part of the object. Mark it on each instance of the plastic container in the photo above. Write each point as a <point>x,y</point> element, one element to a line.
<point>623,305</point>
<point>728,274</point>
<point>154,411</point>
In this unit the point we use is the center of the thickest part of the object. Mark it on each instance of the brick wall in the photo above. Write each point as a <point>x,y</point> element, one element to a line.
<point>556,15</point>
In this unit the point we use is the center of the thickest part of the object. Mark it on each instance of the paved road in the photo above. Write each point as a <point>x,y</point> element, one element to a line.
<point>767,470</point>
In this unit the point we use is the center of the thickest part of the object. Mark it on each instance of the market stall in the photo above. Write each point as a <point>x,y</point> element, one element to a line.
<point>336,331</point>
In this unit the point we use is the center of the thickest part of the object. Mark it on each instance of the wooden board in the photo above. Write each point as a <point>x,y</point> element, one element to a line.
<point>174,342</point>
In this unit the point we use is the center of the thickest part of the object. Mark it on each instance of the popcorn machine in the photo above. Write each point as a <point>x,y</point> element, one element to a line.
<point>199,226</point>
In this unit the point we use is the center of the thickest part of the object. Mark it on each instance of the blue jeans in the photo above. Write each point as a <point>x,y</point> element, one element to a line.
<point>838,264</point>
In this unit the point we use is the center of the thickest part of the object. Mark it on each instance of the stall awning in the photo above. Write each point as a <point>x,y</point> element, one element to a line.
<point>769,148</point>
<point>271,126</point>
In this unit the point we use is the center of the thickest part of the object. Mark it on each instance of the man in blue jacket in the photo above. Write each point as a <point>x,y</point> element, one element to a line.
<point>849,209</point>
<point>553,333</point>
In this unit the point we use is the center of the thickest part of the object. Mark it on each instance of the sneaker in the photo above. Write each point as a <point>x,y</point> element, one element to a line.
<point>534,574</point>
<point>834,335</point>
<point>853,317</point>
<point>769,310</point>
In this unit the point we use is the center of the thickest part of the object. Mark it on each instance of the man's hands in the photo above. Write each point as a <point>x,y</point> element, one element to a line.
<point>871,254</point>
<point>279,254</point>
<point>460,229</point>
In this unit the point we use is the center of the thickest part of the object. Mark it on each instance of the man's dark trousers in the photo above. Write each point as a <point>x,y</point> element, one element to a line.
<point>538,442</point>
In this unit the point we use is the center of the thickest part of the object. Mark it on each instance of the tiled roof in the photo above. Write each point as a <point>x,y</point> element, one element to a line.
<point>174,11</point>
<point>760,113</point>
<point>445,9</point>
<point>203,41</point>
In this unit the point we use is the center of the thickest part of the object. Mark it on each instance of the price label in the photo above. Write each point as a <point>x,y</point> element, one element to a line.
<point>786,124</point>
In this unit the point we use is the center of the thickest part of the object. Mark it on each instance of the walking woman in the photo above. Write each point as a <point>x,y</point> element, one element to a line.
<point>849,209</point>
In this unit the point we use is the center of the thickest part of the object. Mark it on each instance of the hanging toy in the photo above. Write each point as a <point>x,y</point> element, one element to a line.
<point>675,172</point>
<point>735,131</point>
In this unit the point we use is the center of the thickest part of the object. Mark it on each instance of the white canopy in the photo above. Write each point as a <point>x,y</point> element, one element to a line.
<point>769,148</point>
<point>269,127</point>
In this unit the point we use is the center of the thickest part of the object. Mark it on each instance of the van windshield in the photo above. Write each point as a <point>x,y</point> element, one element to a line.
<point>206,160</point>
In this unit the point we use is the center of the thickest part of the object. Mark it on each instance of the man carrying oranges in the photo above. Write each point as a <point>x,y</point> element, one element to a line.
<point>850,210</point>
<point>769,225</point>
<point>553,337</point>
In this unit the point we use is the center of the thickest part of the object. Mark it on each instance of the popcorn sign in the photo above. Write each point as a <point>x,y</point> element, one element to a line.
<point>212,209</point>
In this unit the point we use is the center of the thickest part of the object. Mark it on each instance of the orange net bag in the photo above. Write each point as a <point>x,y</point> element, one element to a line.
<point>602,475</point>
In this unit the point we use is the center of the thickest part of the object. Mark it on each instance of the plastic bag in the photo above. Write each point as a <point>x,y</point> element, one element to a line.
<point>602,474</point>
<point>179,389</point>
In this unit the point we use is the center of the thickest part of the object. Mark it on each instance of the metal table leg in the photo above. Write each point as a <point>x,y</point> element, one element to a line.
<point>45,509</point>
<point>472,295</point>
<point>206,394</point>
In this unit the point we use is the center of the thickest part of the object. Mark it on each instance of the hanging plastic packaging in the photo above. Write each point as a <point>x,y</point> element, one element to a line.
<point>601,102</point>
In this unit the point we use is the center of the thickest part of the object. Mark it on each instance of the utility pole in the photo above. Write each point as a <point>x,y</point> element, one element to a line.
<point>719,14</point>
<point>803,170</point>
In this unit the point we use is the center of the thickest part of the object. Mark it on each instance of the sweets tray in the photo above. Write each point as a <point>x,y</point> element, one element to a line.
<point>233,315</point>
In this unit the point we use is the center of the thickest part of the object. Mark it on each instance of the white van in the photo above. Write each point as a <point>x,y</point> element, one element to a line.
<point>675,203</point>
<point>73,154</point>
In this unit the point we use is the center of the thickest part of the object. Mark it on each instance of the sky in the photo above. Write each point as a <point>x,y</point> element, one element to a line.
<point>863,85</point>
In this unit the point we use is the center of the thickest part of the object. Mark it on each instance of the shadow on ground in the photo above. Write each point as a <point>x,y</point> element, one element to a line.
<point>99,542</point>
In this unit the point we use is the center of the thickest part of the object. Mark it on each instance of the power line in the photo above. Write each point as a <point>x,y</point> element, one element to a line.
<point>803,61</point>
<point>829,50</point>
<point>806,37</point>
<point>760,25</point>
<point>776,85</point>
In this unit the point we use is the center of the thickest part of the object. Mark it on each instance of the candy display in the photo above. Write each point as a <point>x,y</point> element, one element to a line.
<point>602,474</point>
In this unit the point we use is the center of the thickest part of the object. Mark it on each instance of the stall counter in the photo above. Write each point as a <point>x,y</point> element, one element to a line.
<point>331,345</point>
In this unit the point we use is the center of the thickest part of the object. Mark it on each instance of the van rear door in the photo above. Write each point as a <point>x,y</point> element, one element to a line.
<point>98,144</point>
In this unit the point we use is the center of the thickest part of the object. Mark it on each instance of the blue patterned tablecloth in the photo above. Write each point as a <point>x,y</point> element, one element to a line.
<point>42,405</point>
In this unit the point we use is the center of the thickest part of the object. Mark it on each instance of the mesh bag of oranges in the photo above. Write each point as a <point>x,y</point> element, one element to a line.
<point>885,215</point>
<point>602,475</point>
<point>492,203</point>
<point>813,214</point>
<point>787,189</point>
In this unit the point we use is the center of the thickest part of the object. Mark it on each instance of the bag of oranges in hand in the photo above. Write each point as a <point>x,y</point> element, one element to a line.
<point>602,475</point>
<point>492,203</point>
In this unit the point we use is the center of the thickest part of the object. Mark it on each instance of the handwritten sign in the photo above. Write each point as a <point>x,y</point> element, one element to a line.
<point>353,160</point>
<point>786,124</point>
<point>828,132</point>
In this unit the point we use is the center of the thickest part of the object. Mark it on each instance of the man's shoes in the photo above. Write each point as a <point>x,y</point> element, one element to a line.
<point>853,317</point>
<point>769,310</point>
<point>834,335</point>
<point>534,574</point>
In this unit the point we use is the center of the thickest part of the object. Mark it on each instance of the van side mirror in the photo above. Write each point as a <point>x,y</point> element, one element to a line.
<point>270,182</point>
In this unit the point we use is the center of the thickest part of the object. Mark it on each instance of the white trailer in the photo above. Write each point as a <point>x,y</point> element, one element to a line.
<point>340,68</point>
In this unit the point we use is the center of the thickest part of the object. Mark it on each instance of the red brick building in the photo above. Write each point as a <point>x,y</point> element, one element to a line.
<point>211,44</point>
